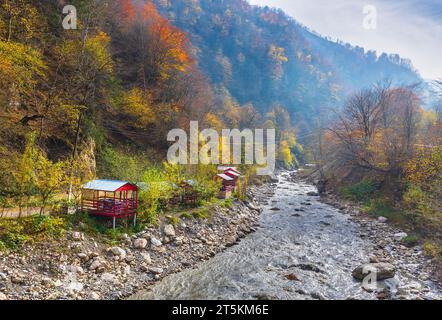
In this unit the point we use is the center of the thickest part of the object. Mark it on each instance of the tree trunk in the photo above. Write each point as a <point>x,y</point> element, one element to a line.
<point>9,29</point>
<point>74,152</point>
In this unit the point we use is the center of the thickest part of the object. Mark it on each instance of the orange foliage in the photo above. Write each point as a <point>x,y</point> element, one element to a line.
<point>127,10</point>
<point>172,39</point>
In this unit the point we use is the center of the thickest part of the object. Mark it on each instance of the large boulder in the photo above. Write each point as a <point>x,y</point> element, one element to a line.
<point>383,271</point>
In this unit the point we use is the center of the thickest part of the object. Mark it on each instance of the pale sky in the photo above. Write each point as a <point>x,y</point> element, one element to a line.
<point>411,28</point>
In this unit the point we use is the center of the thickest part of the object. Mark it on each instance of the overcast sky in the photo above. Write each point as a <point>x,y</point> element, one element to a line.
<point>411,28</point>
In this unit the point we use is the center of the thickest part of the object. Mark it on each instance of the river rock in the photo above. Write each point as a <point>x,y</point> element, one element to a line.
<point>3,297</point>
<point>94,296</point>
<point>382,219</point>
<point>118,252</point>
<point>312,194</point>
<point>155,270</point>
<point>77,236</point>
<point>96,263</point>
<point>169,230</point>
<point>109,277</point>
<point>401,235</point>
<point>155,242</point>
<point>146,258</point>
<point>179,241</point>
<point>18,278</point>
<point>140,243</point>
<point>83,256</point>
<point>383,271</point>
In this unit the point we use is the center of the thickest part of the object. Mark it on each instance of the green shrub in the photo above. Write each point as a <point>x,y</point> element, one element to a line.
<point>47,226</point>
<point>186,215</point>
<point>3,246</point>
<point>16,232</point>
<point>360,192</point>
<point>410,241</point>
<point>416,199</point>
<point>174,220</point>
<point>228,203</point>
<point>202,213</point>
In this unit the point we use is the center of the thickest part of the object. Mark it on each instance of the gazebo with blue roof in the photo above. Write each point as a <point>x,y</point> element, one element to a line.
<point>110,198</point>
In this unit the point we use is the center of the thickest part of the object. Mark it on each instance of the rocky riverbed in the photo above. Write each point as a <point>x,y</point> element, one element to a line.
<point>306,248</point>
<point>81,267</point>
<point>416,274</point>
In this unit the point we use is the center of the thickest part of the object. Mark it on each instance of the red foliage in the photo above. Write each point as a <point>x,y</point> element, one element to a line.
<point>126,10</point>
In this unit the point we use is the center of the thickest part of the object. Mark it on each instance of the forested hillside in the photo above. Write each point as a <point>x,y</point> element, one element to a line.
<point>263,56</point>
<point>99,100</point>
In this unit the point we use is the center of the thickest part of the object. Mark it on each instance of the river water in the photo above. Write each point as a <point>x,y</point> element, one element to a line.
<point>305,250</point>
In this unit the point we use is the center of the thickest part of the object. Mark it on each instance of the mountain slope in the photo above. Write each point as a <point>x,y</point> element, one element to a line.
<point>265,57</point>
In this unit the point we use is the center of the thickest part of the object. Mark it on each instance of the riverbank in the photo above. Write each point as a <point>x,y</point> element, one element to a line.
<point>389,245</point>
<point>77,266</point>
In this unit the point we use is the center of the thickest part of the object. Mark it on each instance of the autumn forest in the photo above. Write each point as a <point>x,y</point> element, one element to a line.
<point>98,101</point>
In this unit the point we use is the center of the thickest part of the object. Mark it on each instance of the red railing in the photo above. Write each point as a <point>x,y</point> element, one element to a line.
<point>110,207</point>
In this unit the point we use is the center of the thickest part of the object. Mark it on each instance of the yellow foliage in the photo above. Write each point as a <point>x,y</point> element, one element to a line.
<point>138,105</point>
<point>20,65</point>
<point>285,154</point>
<point>98,46</point>
<point>278,54</point>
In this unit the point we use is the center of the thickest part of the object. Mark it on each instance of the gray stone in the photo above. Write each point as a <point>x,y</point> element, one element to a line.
<point>179,240</point>
<point>146,258</point>
<point>78,236</point>
<point>109,277</point>
<point>83,256</point>
<point>383,271</point>
<point>382,219</point>
<point>401,235</point>
<point>155,242</point>
<point>140,243</point>
<point>155,270</point>
<point>94,296</point>
<point>169,230</point>
<point>119,252</point>
<point>96,263</point>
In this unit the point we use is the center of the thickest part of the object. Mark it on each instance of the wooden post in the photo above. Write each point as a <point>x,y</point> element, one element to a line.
<point>113,222</point>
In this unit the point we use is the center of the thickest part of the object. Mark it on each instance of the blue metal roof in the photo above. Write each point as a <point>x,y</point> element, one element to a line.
<point>105,185</point>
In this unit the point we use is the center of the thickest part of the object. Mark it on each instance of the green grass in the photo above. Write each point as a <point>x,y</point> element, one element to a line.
<point>380,207</point>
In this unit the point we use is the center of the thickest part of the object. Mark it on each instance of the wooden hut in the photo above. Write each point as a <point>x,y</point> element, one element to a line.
<point>228,185</point>
<point>110,198</point>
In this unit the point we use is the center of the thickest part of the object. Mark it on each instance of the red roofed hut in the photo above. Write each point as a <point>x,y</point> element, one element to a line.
<point>110,198</point>
<point>230,181</point>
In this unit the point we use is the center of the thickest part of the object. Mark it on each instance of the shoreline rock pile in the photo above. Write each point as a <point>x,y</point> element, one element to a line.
<point>81,267</point>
